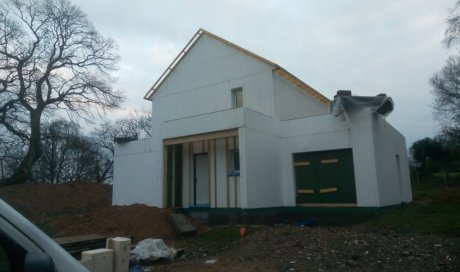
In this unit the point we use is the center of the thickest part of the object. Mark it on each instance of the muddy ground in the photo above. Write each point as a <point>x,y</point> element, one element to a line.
<point>288,248</point>
<point>84,208</point>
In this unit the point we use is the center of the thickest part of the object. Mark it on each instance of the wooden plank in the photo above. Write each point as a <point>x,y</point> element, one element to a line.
<point>208,143</point>
<point>215,173</point>
<point>190,177</point>
<point>329,161</point>
<point>303,163</point>
<point>173,178</point>
<point>173,64</point>
<point>226,172</point>
<point>202,137</point>
<point>328,190</point>
<point>235,178</point>
<point>305,191</point>
<point>79,238</point>
<point>165,176</point>
<point>182,178</point>
<point>74,245</point>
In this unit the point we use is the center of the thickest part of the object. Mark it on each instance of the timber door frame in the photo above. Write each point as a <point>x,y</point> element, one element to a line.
<point>195,177</point>
<point>173,175</point>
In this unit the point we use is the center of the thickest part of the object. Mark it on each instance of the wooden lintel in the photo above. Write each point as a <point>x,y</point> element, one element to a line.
<point>202,137</point>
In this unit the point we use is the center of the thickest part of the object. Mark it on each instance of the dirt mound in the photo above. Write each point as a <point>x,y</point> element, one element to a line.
<point>39,202</point>
<point>83,208</point>
<point>136,221</point>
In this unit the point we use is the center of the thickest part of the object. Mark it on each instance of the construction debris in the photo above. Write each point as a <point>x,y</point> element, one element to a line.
<point>152,250</point>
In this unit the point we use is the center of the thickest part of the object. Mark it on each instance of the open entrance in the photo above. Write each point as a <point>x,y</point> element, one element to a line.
<point>325,178</point>
<point>174,176</point>
<point>201,170</point>
<point>200,188</point>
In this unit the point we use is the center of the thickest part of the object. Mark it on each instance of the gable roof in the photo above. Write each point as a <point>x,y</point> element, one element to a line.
<point>276,68</point>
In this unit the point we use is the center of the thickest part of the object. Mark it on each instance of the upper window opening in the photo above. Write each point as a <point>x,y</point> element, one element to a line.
<point>237,97</point>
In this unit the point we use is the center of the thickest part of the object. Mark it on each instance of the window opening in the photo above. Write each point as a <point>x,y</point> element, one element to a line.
<point>237,97</point>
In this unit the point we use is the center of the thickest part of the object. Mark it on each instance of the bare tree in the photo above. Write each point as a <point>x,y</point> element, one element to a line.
<point>51,58</point>
<point>446,89</point>
<point>56,164</point>
<point>135,125</point>
<point>452,34</point>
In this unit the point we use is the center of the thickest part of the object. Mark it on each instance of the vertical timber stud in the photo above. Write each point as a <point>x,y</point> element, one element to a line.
<point>203,149</point>
<point>215,173</point>
<point>173,174</point>
<point>165,176</point>
<point>190,156</point>
<point>182,186</point>
<point>208,144</point>
<point>235,178</point>
<point>226,172</point>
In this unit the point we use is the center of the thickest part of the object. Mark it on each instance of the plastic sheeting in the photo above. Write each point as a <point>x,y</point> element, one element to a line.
<point>380,104</point>
<point>153,249</point>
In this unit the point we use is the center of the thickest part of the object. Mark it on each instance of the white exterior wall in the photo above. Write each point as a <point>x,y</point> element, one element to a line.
<point>291,102</point>
<point>326,132</point>
<point>260,160</point>
<point>393,179</point>
<point>133,173</point>
<point>202,82</point>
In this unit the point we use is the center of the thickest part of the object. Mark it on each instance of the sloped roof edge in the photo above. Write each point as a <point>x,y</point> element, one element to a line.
<point>276,68</point>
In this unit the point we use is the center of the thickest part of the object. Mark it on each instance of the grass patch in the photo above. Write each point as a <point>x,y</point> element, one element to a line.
<point>433,218</point>
<point>435,210</point>
<point>442,174</point>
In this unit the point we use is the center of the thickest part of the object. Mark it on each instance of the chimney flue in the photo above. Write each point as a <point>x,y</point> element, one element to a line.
<point>343,93</point>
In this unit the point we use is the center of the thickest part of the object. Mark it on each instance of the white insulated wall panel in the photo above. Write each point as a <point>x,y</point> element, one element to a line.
<point>98,260</point>
<point>121,247</point>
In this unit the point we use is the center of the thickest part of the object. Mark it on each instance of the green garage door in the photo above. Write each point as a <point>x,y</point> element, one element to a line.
<point>325,177</point>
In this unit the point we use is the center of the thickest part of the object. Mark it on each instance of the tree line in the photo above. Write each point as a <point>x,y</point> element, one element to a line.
<point>442,152</point>
<point>53,62</point>
<point>70,153</point>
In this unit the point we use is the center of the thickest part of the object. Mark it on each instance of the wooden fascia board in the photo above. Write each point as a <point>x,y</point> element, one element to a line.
<point>241,49</point>
<point>302,85</point>
<point>170,69</point>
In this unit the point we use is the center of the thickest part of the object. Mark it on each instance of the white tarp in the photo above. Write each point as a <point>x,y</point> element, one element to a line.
<point>153,249</point>
<point>380,104</point>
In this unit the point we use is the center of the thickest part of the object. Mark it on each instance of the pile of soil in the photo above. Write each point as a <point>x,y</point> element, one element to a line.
<point>136,221</point>
<point>79,208</point>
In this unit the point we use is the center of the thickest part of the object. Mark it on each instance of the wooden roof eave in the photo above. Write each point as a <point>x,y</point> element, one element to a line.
<point>179,57</point>
<point>302,85</point>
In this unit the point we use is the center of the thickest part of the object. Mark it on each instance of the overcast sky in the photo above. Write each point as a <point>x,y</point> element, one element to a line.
<point>367,46</point>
